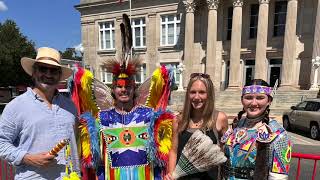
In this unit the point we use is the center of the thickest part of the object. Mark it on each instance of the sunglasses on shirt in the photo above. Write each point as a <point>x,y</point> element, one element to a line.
<point>206,76</point>
<point>52,70</point>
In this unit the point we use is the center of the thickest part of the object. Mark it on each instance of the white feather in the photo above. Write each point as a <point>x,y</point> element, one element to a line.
<point>198,155</point>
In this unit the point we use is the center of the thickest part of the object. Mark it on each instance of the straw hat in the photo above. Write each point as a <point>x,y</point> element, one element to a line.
<point>48,56</point>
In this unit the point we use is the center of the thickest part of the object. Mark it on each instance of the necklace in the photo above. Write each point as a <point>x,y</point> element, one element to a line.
<point>196,124</point>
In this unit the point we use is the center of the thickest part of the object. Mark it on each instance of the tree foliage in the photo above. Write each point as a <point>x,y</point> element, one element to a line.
<point>13,46</point>
<point>70,53</point>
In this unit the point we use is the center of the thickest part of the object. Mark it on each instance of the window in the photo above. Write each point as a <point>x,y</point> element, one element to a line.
<point>229,23</point>
<point>139,32</point>
<point>312,106</point>
<point>280,14</point>
<point>170,29</point>
<point>141,75</point>
<point>275,61</point>
<point>254,14</point>
<point>302,105</point>
<point>106,77</point>
<point>106,35</point>
<point>175,71</point>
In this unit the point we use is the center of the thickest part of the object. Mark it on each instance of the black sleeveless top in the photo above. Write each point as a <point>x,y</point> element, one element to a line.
<point>183,139</point>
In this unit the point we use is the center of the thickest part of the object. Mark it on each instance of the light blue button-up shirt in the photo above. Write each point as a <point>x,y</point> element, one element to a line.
<point>28,125</point>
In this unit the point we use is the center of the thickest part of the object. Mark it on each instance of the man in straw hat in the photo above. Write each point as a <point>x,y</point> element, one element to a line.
<point>37,120</point>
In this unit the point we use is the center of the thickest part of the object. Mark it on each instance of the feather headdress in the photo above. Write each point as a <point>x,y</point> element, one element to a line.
<point>125,67</point>
<point>198,155</point>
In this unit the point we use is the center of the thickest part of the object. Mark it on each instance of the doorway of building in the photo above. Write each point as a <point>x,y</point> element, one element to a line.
<point>226,83</point>
<point>248,71</point>
<point>274,71</point>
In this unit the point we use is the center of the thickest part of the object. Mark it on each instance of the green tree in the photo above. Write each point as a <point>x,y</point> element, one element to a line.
<point>70,53</point>
<point>13,46</point>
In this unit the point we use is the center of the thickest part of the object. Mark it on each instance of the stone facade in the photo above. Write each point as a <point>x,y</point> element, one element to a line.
<point>232,40</point>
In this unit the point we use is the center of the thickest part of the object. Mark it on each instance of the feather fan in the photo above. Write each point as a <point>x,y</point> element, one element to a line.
<point>198,155</point>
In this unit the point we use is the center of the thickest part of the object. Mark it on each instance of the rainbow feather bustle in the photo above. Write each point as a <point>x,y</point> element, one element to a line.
<point>160,138</point>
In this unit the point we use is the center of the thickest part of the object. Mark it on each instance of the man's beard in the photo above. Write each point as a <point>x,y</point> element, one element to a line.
<point>45,82</point>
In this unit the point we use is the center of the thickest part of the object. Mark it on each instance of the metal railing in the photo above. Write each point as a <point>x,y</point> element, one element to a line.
<point>306,156</point>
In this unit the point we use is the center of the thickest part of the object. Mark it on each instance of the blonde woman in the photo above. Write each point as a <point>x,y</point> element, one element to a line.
<point>198,113</point>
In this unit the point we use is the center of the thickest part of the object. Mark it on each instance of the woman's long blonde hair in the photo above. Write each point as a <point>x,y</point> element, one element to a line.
<point>208,111</point>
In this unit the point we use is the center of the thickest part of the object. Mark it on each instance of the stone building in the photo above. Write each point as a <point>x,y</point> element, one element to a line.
<point>232,40</point>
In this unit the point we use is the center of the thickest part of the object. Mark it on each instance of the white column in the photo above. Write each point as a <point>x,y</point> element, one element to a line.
<point>188,38</point>
<point>261,63</point>
<point>234,77</point>
<point>289,49</point>
<point>211,60</point>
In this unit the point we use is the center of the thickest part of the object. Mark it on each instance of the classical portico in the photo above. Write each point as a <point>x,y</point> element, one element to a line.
<point>262,62</point>
<point>233,41</point>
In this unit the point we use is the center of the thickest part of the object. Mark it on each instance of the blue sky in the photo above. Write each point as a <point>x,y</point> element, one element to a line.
<point>53,23</point>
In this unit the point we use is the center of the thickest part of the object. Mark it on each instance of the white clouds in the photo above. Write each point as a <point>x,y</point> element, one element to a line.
<point>79,47</point>
<point>3,6</point>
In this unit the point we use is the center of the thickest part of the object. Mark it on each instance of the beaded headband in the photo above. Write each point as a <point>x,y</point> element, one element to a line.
<point>257,89</point>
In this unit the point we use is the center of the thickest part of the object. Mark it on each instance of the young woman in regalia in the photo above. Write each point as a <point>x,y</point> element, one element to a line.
<point>256,146</point>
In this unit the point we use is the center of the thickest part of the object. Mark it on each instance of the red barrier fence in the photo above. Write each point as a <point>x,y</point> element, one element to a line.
<point>6,171</point>
<point>306,156</point>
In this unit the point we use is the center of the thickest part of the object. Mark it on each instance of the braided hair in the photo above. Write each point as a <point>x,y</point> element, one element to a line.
<point>261,170</point>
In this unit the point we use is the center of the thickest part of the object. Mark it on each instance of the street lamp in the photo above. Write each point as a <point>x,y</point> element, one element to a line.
<point>181,68</point>
<point>315,64</point>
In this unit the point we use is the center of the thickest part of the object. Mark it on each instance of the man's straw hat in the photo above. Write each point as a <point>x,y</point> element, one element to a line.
<point>48,56</point>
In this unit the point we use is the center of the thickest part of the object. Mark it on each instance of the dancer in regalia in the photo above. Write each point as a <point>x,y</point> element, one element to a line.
<point>257,147</point>
<point>128,135</point>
